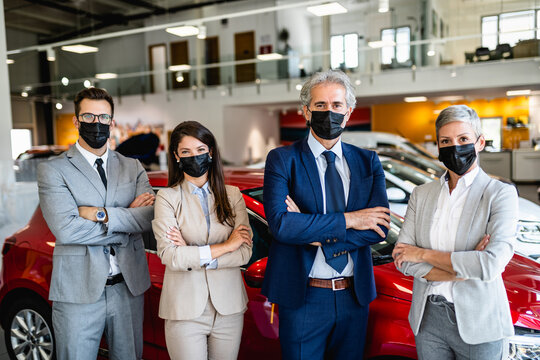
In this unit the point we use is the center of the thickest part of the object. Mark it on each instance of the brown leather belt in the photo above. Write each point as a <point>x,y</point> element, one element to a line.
<point>334,284</point>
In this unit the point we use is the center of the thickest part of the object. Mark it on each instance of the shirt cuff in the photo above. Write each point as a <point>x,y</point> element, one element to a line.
<point>205,256</point>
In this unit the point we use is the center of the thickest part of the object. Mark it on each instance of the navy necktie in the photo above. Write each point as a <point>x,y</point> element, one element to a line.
<point>335,202</point>
<point>99,163</point>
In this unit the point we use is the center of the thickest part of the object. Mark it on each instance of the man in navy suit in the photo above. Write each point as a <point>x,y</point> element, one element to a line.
<point>325,202</point>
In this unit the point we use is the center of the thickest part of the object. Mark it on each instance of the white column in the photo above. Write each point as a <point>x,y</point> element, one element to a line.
<point>6,161</point>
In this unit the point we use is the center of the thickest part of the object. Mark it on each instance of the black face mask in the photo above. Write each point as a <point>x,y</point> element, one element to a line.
<point>458,158</point>
<point>326,124</point>
<point>94,134</point>
<point>195,166</point>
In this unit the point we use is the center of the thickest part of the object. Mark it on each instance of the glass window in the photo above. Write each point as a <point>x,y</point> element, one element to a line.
<point>516,26</point>
<point>344,51</point>
<point>401,52</point>
<point>403,46</point>
<point>489,31</point>
<point>387,52</point>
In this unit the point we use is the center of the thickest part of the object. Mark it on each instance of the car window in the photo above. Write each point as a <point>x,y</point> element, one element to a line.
<point>149,241</point>
<point>405,172</point>
<point>261,237</point>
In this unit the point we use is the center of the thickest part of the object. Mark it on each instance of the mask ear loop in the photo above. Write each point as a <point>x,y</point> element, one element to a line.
<point>308,122</point>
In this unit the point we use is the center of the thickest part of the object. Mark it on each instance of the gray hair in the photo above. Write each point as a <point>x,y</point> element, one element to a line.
<point>328,76</point>
<point>461,113</point>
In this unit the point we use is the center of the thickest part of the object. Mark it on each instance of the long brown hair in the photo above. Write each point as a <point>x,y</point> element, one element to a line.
<point>216,178</point>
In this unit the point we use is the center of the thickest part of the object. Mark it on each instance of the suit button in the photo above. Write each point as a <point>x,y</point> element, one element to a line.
<point>327,241</point>
<point>335,240</point>
<point>188,269</point>
<point>335,255</point>
<point>105,250</point>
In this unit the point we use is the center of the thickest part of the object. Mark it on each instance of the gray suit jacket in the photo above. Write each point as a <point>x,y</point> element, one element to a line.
<point>81,259</point>
<point>481,304</point>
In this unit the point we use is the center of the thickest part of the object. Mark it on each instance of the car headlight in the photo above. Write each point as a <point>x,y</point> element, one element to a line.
<point>525,344</point>
<point>529,231</point>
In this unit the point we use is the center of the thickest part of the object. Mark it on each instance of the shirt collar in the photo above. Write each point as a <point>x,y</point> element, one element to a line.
<point>468,178</point>
<point>91,157</point>
<point>195,189</point>
<point>317,149</point>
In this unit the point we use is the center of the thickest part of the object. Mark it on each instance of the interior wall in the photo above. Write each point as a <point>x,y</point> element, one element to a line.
<point>416,121</point>
<point>249,133</point>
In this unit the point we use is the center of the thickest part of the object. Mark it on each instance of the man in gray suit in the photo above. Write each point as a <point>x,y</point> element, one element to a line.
<point>96,203</point>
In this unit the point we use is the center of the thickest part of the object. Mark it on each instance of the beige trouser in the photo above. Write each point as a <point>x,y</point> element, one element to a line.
<point>210,336</point>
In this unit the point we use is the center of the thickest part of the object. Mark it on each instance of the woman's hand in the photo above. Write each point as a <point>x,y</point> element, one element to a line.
<point>407,253</point>
<point>174,235</point>
<point>483,243</point>
<point>239,236</point>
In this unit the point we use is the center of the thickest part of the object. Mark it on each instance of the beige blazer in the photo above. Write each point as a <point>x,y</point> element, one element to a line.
<point>482,310</point>
<point>187,285</point>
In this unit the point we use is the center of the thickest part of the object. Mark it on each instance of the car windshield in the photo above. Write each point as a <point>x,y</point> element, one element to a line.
<point>424,163</point>
<point>406,172</point>
<point>422,150</point>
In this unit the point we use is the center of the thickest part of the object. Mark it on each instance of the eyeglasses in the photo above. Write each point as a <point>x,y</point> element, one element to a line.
<point>105,119</point>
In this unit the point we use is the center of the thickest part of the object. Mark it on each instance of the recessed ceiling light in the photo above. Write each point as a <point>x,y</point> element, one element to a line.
<point>450,98</point>
<point>87,84</point>
<point>24,94</point>
<point>271,56</point>
<point>104,76</point>
<point>59,106</point>
<point>10,61</point>
<point>411,99</point>
<point>179,77</point>
<point>182,67</point>
<point>187,30</point>
<point>80,49</point>
<point>65,81</point>
<point>51,56</point>
<point>384,6</point>
<point>298,87</point>
<point>523,92</point>
<point>332,8</point>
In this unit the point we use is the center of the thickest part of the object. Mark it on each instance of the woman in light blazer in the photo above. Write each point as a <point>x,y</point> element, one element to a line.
<point>456,241</point>
<point>203,237</point>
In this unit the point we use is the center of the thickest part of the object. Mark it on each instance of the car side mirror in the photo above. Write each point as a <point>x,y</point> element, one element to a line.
<point>254,275</point>
<point>395,194</point>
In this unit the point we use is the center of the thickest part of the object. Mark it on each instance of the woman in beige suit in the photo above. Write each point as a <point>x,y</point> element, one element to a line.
<point>203,237</point>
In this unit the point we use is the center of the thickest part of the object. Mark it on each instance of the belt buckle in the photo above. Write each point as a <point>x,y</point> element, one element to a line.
<point>334,284</point>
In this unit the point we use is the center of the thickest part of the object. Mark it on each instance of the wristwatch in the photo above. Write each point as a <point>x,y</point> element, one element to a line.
<point>101,215</point>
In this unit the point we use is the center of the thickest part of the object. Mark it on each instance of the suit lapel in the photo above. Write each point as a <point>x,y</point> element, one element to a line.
<point>469,210</point>
<point>354,185</point>
<point>113,166</point>
<point>428,211</point>
<point>78,160</point>
<point>312,174</point>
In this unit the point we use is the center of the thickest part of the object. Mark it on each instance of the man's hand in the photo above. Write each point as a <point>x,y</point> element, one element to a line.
<point>369,219</point>
<point>145,199</point>
<point>292,207</point>
<point>175,236</point>
<point>89,213</point>
<point>404,252</point>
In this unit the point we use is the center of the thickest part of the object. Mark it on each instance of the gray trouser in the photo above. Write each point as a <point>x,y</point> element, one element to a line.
<point>78,328</point>
<point>439,339</point>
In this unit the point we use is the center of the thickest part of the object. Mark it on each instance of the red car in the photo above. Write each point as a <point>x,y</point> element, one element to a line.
<point>25,312</point>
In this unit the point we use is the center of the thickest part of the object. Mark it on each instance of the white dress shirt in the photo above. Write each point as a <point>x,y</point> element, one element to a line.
<point>91,158</point>
<point>320,269</point>
<point>205,253</point>
<point>446,223</point>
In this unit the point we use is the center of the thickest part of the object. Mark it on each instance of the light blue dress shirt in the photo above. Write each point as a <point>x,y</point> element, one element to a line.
<point>320,269</point>
<point>204,251</point>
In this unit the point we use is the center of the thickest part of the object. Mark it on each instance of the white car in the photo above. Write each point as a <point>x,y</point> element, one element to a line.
<point>402,178</point>
<point>375,139</point>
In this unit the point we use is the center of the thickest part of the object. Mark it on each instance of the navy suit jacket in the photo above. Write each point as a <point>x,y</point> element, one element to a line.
<point>292,170</point>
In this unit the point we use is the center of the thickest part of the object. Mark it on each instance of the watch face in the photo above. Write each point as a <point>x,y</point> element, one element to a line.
<point>100,215</point>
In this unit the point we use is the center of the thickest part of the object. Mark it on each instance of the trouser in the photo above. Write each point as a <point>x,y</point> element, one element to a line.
<point>439,339</point>
<point>78,328</point>
<point>210,336</point>
<point>329,325</point>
